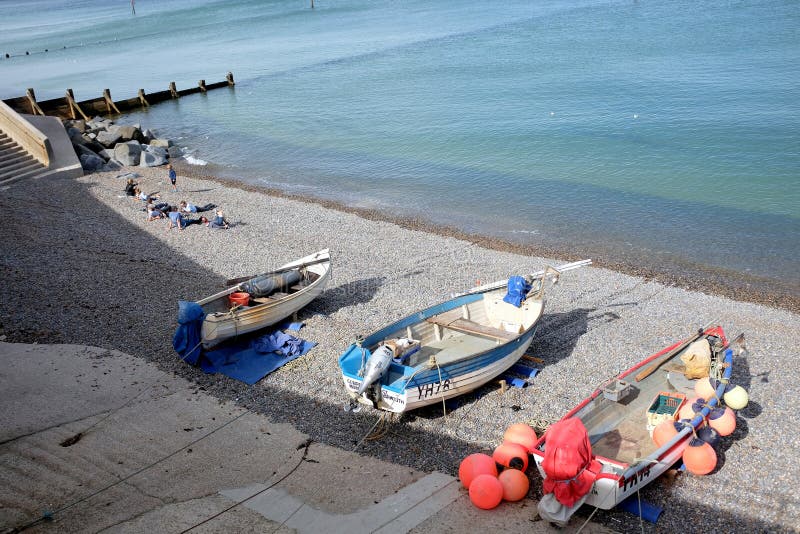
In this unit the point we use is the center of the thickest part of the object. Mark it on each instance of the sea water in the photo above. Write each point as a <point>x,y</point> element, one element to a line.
<point>660,133</point>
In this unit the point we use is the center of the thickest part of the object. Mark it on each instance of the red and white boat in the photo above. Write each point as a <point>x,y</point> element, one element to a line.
<point>616,456</point>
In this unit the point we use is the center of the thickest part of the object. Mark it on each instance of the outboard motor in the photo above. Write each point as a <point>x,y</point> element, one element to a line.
<point>376,366</point>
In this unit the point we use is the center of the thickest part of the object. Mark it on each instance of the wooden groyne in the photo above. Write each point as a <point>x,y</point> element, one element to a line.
<point>68,108</point>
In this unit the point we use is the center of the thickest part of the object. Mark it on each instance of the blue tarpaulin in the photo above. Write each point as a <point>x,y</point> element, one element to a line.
<point>247,358</point>
<point>518,288</point>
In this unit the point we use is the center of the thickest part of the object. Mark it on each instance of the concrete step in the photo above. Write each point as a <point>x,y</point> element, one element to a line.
<point>12,157</point>
<point>10,152</point>
<point>20,163</point>
<point>30,171</point>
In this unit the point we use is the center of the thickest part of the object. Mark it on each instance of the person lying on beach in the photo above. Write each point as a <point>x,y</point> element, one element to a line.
<point>144,197</point>
<point>188,207</point>
<point>219,221</point>
<point>130,188</point>
<point>157,211</point>
<point>177,219</point>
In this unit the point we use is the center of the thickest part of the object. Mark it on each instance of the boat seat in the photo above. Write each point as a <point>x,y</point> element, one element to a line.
<point>454,320</point>
<point>300,285</point>
<point>271,298</point>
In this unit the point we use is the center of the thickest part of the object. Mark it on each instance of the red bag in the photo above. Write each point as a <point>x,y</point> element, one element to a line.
<point>568,461</point>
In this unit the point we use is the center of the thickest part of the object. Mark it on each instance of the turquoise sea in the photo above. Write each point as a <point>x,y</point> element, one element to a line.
<point>651,133</point>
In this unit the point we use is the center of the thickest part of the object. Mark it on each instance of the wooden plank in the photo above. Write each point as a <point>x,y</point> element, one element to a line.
<point>453,320</point>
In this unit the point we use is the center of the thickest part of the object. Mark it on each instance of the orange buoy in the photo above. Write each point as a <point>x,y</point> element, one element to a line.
<point>522,434</point>
<point>511,455</point>
<point>665,431</point>
<point>486,492</point>
<point>699,457</point>
<point>475,465</point>
<point>687,408</point>
<point>240,298</point>
<point>722,420</point>
<point>515,484</point>
<point>706,388</point>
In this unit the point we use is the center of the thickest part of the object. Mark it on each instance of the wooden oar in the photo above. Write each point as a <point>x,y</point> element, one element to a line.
<point>533,276</point>
<point>661,361</point>
<point>276,271</point>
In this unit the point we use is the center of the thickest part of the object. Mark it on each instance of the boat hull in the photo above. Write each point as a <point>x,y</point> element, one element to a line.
<point>618,479</point>
<point>218,327</point>
<point>408,387</point>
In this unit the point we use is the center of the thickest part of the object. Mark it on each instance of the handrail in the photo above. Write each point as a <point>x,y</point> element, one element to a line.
<point>25,134</point>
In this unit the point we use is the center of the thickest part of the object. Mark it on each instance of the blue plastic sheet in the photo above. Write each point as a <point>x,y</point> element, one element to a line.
<point>247,358</point>
<point>518,289</point>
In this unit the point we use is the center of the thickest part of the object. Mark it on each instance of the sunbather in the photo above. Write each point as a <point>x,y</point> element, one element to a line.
<point>188,207</point>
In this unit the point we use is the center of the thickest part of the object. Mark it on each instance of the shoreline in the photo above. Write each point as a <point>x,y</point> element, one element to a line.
<point>715,281</point>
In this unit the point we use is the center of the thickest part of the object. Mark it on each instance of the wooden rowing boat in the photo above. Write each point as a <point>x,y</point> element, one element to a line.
<point>619,418</point>
<point>285,291</point>
<point>445,350</point>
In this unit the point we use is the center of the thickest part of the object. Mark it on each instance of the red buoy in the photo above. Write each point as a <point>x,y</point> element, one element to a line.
<point>522,434</point>
<point>699,457</point>
<point>486,492</point>
<point>515,484</point>
<point>511,455</point>
<point>474,465</point>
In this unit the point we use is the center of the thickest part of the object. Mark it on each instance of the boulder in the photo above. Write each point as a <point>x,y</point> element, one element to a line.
<point>81,150</point>
<point>166,143</point>
<point>109,139</point>
<point>78,124</point>
<point>148,135</point>
<point>155,150</point>
<point>128,154</point>
<point>106,153</point>
<point>111,165</point>
<point>130,133</point>
<point>175,152</point>
<point>91,162</point>
<point>148,159</point>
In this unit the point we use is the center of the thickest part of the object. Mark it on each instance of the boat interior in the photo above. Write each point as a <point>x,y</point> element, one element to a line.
<point>224,305</point>
<point>468,329</point>
<point>617,420</point>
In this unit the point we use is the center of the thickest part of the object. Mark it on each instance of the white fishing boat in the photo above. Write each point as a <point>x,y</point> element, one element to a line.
<point>265,299</point>
<point>445,350</point>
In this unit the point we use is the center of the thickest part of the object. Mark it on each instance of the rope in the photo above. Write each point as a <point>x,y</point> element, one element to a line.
<point>587,520</point>
<point>256,494</point>
<point>48,515</point>
<point>380,418</point>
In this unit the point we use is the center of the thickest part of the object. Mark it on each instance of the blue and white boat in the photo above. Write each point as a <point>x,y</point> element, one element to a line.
<point>445,350</point>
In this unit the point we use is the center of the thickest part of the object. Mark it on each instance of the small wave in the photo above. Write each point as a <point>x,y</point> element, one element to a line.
<point>191,160</point>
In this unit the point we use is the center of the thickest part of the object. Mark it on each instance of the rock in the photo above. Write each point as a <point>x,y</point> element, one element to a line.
<point>175,152</point>
<point>148,135</point>
<point>112,165</point>
<point>91,162</point>
<point>106,154</point>
<point>82,150</point>
<point>109,139</point>
<point>166,143</point>
<point>148,159</point>
<point>156,150</point>
<point>130,133</point>
<point>78,124</point>
<point>129,154</point>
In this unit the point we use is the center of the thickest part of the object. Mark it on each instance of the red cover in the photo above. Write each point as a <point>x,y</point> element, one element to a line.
<point>568,462</point>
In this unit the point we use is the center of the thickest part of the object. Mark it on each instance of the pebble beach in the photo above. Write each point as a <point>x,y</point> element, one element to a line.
<point>82,265</point>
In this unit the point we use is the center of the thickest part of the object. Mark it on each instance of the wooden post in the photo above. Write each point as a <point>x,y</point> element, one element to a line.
<point>202,85</point>
<point>172,90</point>
<point>32,101</point>
<point>74,105</point>
<point>109,103</point>
<point>229,77</point>
<point>142,99</point>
